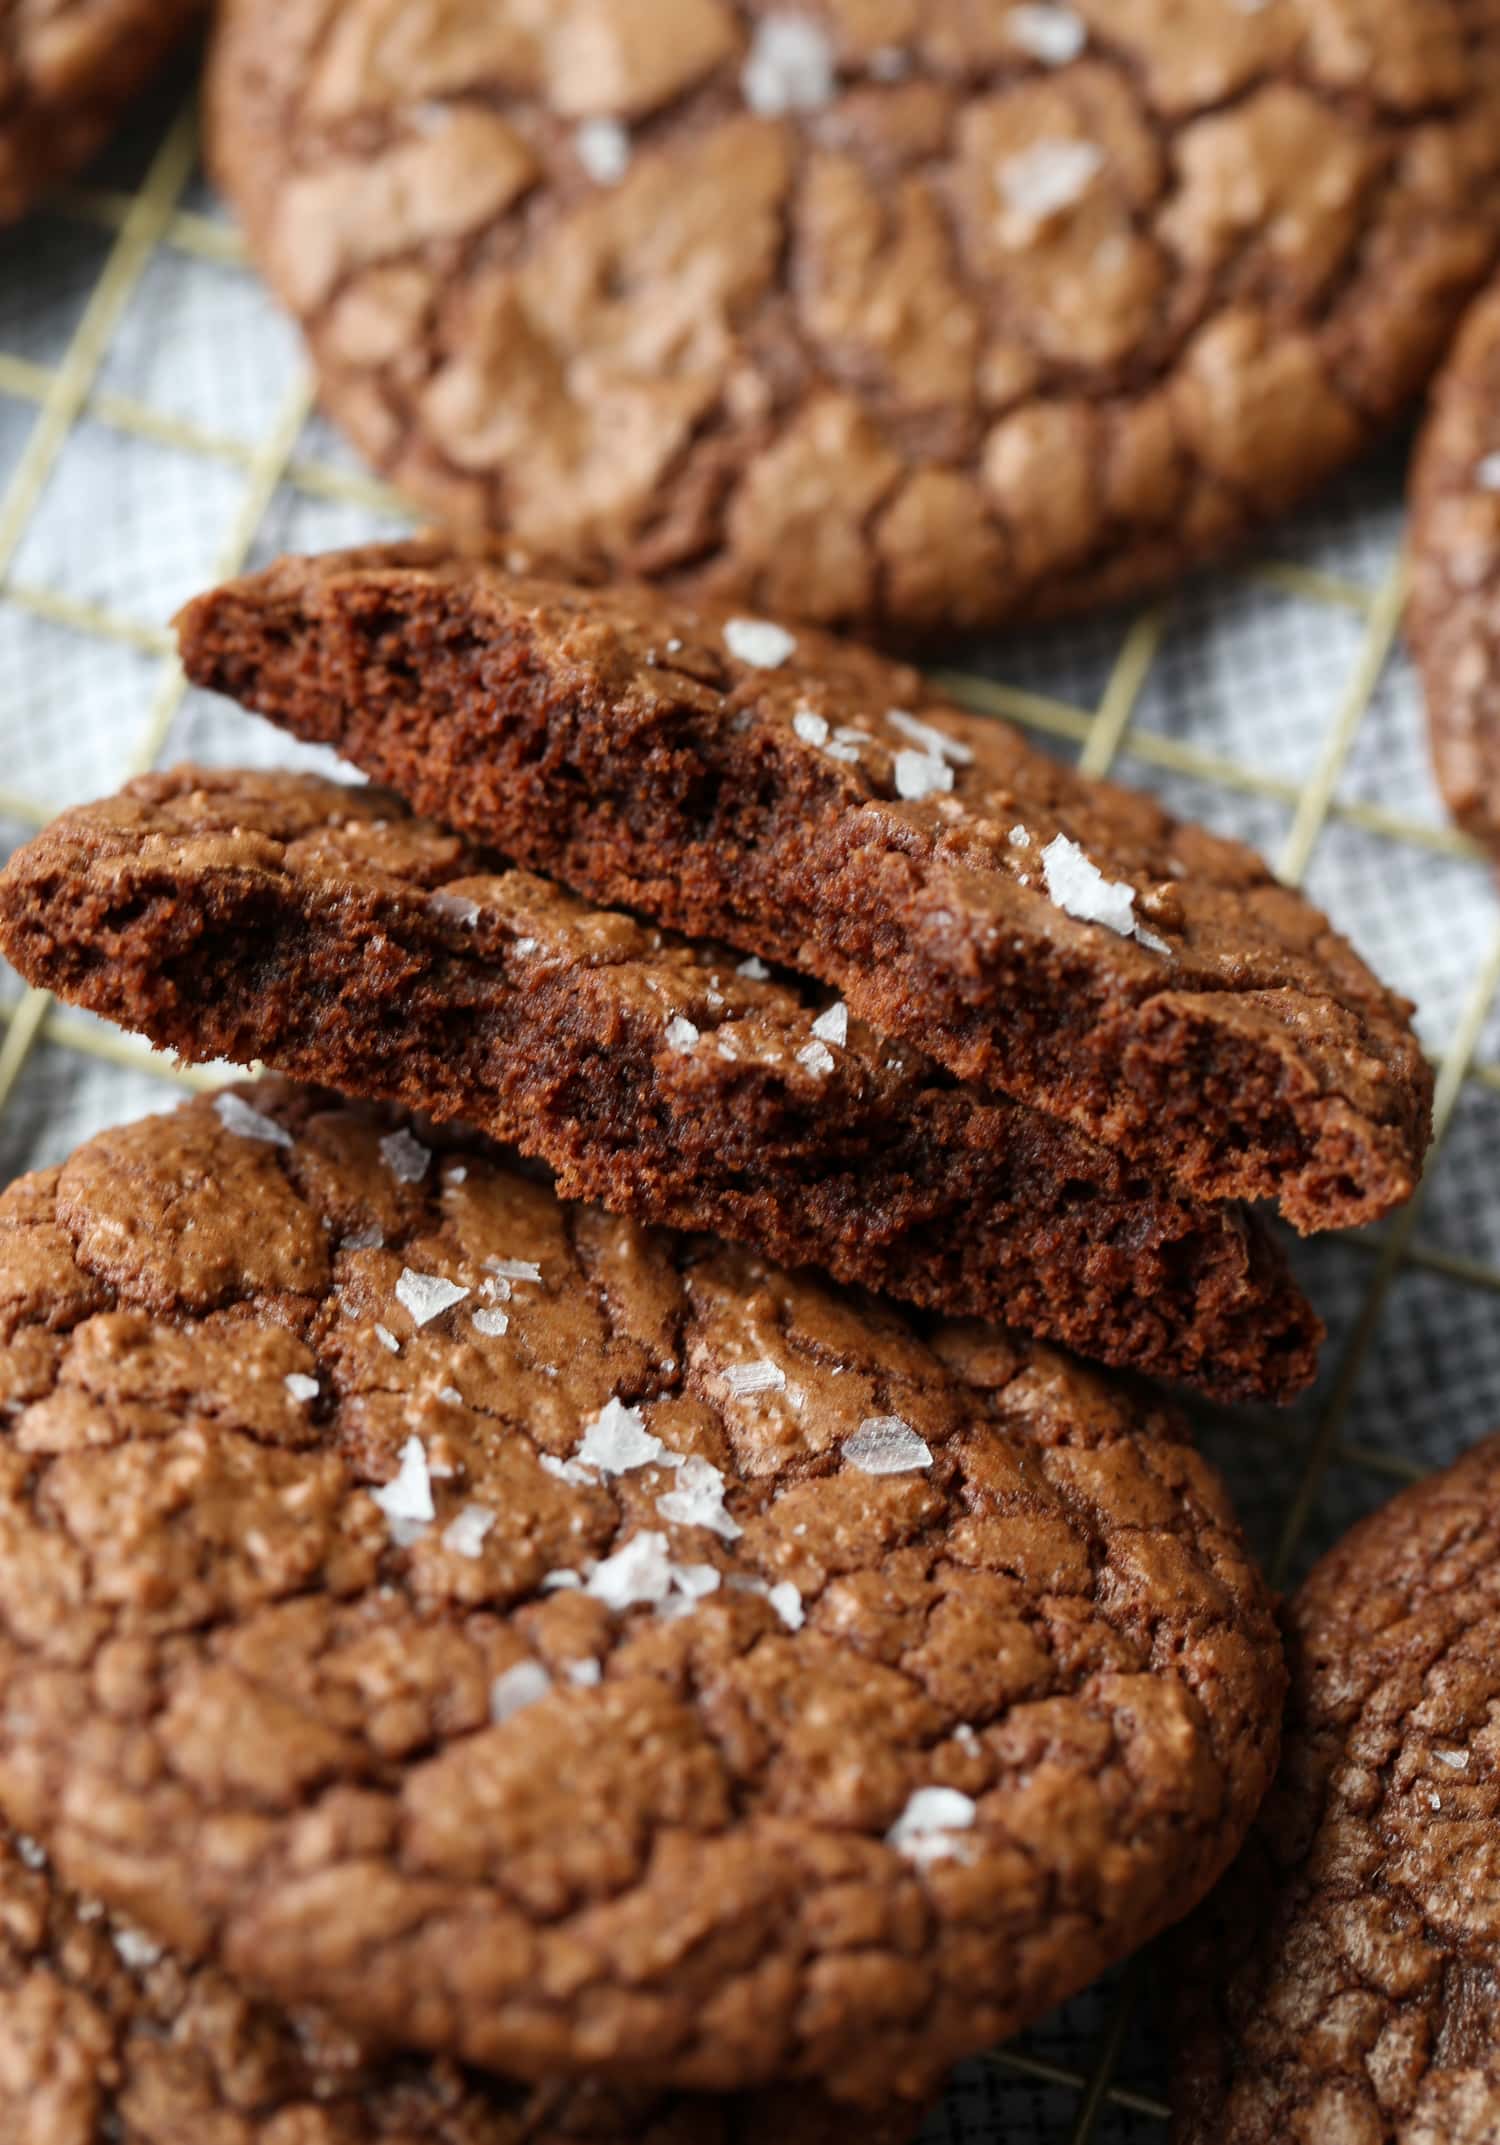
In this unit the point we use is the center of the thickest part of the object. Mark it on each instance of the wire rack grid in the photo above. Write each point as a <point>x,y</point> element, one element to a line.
<point>157,432</point>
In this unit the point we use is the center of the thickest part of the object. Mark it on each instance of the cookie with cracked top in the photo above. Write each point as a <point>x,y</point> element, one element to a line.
<point>1062,940</point>
<point>910,316</point>
<point>1451,617</point>
<point>583,1650</point>
<point>1341,1983</point>
<point>323,931</point>
<point>105,2036</point>
<point>68,68</point>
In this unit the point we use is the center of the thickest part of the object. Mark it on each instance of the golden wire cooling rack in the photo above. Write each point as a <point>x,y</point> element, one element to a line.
<point>157,433</point>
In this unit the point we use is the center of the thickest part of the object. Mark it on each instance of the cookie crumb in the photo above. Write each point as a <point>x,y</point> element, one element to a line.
<point>885,1445</point>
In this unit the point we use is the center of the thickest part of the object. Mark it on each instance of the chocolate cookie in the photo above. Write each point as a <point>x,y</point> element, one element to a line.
<point>915,315</point>
<point>323,931</point>
<point>1063,940</point>
<point>104,2036</point>
<point>67,70</point>
<point>1343,1981</point>
<point>578,1649</point>
<point>1451,617</point>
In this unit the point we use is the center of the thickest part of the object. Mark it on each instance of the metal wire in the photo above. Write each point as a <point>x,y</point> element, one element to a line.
<point>154,220</point>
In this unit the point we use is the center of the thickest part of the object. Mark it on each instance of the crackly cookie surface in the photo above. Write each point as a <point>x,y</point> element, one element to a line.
<point>568,1647</point>
<point>67,68</point>
<point>1060,939</point>
<point>907,313</point>
<point>1453,617</point>
<point>1344,1982</point>
<point>103,2035</point>
<point>320,929</point>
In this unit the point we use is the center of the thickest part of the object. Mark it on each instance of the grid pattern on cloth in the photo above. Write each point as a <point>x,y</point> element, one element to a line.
<point>157,433</point>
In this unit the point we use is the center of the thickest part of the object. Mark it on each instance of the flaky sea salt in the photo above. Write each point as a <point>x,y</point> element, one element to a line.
<point>300,1386</point>
<point>885,1445</point>
<point>931,1827</point>
<point>451,1394</point>
<point>518,1688</point>
<point>753,967</point>
<point>427,1296</point>
<point>513,1269</point>
<point>388,1340</point>
<point>236,1115</point>
<point>761,1376</point>
<point>789,67</point>
<point>1487,473</point>
<point>569,1471</point>
<point>603,149</point>
<point>367,1239</point>
<point>937,744</point>
<point>1036,183</point>
<point>817,1057</point>
<point>406,1158</point>
<point>560,1580</point>
<point>1457,1761</point>
<point>1079,888</point>
<point>640,1572</point>
<point>1053,35</point>
<point>454,908</point>
<point>491,1324</point>
<point>406,1499</point>
<point>617,1440</point>
<point>759,643</point>
<point>465,1532</point>
<point>697,1500</point>
<point>811,728</point>
<point>921,774</point>
<point>832,1026</point>
<point>966,1739</point>
<point>787,1602</point>
<point>682,1036</point>
<point>136,1951</point>
<point>585,1673</point>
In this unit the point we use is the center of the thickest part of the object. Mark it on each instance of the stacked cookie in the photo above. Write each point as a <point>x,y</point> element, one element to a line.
<point>512,1616</point>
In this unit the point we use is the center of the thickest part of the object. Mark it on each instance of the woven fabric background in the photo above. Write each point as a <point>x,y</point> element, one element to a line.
<point>156,433</point>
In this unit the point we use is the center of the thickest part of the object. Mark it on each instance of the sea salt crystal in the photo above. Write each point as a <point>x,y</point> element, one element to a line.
<point>1487,473</point>
<point>491,1324</point>
<point>454,1173</point>
<point>760,644</point>
<point>387,1339</point>
<point>789,67</point>
<point>888,63</point>
<point>936,743</point>
<point>1076,884</point>
<point>640,1572</point>
<point>1053,35</point>
<point>811,728</point>
<point>753,967</point>
<point>454,909</point>
<point>787,1602</point>
<point>1037,182</point>
<point>31,1852</point>
<point>569,1471</point>
<point>556,1581</point>
<point>518,1688</point>
<point>406,1500</point>
<point>513,1269</point>
<point>451,1394</point>
<point>1457,1761</point>
<point>465,1532</point>
<point>603,149</point>
<point>617,1440</point>
<point>885,1445</point>
<point>427,1296</point>
<point>682,1036</point>
<point>697,1500</point>
<point>523,946</point>
<point>300,1386</point>
<point>136,1951</point>
<point>921,774</point>
<point>832,1026</point>
<point>405,1157</point>
<point>817,1057</point>
<point>966,1739</point>
<point>929,1829</point>
<point>584,1673</point>
<point>236,1115</point>
<point>761,1376</point>
<point>369,1239</point>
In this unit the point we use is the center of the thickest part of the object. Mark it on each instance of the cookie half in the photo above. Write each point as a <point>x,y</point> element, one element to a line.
<point>104,2036</point>
<point>1451,618</point>
<point>913,316</point>
<point>323,931</point>
<point>68,68</point>
<point>1342,1982</point>
<point>582,1650</point>
<point>1062,940</point>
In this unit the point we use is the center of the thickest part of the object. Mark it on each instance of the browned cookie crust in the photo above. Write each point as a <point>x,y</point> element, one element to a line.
<point>578,1649</point>
<point>1344,1982</point>
<point>1453,617</point>
<point>67,69</point>
<point>322,930</point>
<point>914,314</point>
<point>105,2037</point>
<point>727,778</point>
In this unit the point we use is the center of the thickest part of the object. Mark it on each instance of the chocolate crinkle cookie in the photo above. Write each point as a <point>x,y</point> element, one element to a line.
<point>570,1648</point>
<point>1342,1983</point>
<point>1065,941</point>
<point>104,2036</point>
<point>67,70</point>
<point>911,316</point>
<point>322,930</point>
